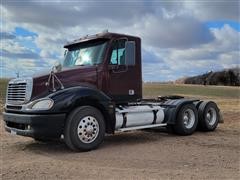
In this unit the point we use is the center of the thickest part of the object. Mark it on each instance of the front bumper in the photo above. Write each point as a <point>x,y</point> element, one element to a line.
<point>35,125</point>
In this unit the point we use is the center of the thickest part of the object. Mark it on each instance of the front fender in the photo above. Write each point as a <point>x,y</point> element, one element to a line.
<point>68,99</point>
<point>65,100</point>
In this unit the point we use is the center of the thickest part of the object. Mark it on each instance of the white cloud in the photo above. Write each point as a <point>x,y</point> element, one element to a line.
<point>174,36</point>
<point>214,10</point>
<point>230,59</point>
<point>221,53</point>
<point>180,32</point>
<point>227,39</point>
<point>12,46</point>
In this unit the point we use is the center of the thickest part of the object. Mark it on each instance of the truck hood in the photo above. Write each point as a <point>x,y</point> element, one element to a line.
<point>78,76</point>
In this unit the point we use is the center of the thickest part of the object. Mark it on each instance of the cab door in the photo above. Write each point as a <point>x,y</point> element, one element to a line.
<point>123,83</point>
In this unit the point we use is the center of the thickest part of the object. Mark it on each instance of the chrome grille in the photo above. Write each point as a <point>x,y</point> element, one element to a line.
<point>19,91</point>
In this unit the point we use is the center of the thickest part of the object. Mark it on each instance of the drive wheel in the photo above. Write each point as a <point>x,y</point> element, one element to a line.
<point>85,129</point>
<point>209,116</point>
<point>187,120</point>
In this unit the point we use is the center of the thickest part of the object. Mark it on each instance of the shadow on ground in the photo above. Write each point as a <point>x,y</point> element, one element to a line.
<point>119,139</point>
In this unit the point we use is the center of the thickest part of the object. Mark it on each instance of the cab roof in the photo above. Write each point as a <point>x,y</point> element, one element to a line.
<point>103,35</point>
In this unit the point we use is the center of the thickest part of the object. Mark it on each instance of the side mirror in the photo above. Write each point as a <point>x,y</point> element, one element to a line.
<point>130,52</point>
<point>65,52</point>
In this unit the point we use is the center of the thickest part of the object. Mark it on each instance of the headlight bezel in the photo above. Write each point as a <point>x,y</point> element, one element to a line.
<point>30,106</point>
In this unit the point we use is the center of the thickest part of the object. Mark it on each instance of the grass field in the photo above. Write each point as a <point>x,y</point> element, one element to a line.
<point>140,154</point>
<point>3,87</point>
<point>225,96</point>
<point>156,89</point>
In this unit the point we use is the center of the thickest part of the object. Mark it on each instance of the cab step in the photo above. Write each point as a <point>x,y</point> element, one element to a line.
<point>141,127</point>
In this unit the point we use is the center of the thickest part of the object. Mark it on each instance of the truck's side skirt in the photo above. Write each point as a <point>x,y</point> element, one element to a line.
<point>142,127</point>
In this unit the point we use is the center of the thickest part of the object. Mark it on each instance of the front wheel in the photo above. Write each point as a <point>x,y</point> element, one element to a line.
<point>85,129</point>
<point>186,121</point>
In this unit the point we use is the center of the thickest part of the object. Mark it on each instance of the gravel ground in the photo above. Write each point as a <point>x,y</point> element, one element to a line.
<point>133,155</point>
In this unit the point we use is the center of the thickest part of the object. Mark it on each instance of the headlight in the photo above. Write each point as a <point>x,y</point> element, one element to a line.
<point>42,104</point>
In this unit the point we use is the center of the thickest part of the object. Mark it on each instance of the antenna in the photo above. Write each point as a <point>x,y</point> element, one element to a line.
<point>17,73</point>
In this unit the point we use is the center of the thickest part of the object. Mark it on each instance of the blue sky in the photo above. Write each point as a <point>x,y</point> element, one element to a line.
<point>182,38</point>
<point>219,24</point>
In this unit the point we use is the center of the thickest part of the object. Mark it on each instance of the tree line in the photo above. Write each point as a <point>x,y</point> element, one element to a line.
<point>229,77</point>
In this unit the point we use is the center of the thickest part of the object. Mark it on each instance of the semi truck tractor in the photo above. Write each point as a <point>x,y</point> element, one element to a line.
<point>97,90</point>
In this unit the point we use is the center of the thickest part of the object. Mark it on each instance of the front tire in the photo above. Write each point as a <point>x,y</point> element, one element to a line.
<point>85,129</point>
<point>186,121</point>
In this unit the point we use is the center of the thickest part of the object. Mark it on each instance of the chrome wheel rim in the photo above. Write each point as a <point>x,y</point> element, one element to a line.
<point>188,118</point>
<point>211,116</point>
<point>88,129</point>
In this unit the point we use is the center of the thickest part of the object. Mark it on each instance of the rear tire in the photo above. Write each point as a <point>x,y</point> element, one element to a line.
<point>186,121</point>
<point>85,129</point>
<point>209,116</point>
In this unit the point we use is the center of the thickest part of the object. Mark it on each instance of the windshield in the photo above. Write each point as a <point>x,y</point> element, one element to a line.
<point>90,53</point>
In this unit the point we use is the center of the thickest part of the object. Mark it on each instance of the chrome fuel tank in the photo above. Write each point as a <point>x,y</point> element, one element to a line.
<point>132,116</point>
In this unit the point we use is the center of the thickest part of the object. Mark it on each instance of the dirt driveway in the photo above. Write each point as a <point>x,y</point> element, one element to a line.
<point>133,155</point>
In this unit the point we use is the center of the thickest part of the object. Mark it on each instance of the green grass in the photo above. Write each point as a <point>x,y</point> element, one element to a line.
<point>3,88</point>
<point>157,89</point>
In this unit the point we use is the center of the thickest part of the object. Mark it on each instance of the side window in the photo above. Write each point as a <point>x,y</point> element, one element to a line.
<point>130,53</point>
<point>118,52</point>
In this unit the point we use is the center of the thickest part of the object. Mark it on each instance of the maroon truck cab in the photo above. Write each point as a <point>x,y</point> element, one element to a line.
<point>111,75</point>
